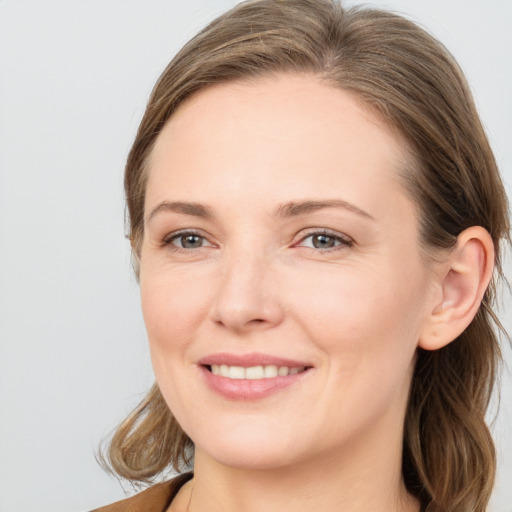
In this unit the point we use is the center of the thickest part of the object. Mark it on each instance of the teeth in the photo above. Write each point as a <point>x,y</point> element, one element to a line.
<point>236,372</point>
<point>283,371</point>
<point>254,372</point>
<point>270,371</point>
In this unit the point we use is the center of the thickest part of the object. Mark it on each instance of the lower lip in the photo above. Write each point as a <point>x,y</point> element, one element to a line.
<point>249,389</point>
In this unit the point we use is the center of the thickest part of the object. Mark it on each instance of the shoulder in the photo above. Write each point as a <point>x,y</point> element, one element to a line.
<point>156,498</point>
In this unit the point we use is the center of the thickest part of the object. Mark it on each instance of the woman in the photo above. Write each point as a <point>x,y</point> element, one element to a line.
<point>316,218</point>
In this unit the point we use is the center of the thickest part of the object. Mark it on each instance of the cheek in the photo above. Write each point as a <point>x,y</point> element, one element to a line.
<point>351,299</point>
<point>172,311</point>
<point>367,328</point>
<point>172,306</point>
<point>364,321</point>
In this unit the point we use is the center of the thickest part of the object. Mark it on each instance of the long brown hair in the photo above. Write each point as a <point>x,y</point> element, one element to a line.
<point>410,79</point>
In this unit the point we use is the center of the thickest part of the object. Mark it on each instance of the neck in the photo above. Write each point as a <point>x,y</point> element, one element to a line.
<point>364,477</point>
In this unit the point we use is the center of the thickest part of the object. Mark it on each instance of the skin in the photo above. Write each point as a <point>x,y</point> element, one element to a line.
<point>356,312</point>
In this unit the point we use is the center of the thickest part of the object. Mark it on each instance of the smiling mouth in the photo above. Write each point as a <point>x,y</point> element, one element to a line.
<point>251,376</point>
<point>254,372</point>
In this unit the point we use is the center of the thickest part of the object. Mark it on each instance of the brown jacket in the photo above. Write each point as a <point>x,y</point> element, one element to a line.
<point>155,499</point>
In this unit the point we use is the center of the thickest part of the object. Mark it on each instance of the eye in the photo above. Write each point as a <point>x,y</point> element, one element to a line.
<point>325,240</point>
<point>186,241</point>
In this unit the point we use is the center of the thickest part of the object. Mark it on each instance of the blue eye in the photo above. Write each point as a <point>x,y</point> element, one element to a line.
<point>189,241</point>
<point>324,240</point>
<point>186,241</point>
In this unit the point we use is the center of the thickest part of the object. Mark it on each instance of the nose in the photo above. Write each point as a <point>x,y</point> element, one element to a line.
<point>247,298</point>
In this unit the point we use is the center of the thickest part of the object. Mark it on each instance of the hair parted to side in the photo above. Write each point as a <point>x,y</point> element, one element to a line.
<point>409,78</point>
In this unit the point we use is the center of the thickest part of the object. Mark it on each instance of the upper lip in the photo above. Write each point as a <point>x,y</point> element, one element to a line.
<point>248,360</point>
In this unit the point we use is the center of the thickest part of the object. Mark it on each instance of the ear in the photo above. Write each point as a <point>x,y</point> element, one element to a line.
<point>460,287</point>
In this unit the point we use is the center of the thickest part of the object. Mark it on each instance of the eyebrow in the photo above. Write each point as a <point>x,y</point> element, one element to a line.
<point>286,210</point>
<point>293,208</point>
<point>193,209</point>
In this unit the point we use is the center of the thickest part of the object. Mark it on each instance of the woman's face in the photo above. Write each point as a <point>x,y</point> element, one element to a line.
<point>283,288</point>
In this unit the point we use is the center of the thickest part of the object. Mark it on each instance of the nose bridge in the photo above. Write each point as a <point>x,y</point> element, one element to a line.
<point>246,296</point>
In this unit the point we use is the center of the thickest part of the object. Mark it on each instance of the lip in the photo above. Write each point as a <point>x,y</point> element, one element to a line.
<point>246,389</point>
<point>248,360</point>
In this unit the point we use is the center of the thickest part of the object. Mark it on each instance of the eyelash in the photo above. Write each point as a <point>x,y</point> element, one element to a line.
<point>342,241</point>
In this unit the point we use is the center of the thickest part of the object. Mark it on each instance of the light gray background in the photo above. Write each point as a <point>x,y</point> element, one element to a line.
<point>74,78</point>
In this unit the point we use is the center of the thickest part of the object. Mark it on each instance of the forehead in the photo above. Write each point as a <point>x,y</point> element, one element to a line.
<point>274,137</point>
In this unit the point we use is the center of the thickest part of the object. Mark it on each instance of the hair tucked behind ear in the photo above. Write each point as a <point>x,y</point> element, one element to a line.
<point>410,79</point>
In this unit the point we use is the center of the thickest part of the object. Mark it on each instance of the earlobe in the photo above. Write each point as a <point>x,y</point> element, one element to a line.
<point>464,278</point>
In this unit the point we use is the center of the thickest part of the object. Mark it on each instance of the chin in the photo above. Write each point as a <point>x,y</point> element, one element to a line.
<point>250,458</point>
<point>254,450</point>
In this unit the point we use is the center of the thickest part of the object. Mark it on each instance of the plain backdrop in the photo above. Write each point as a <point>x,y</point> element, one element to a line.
<point>74,79</point>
